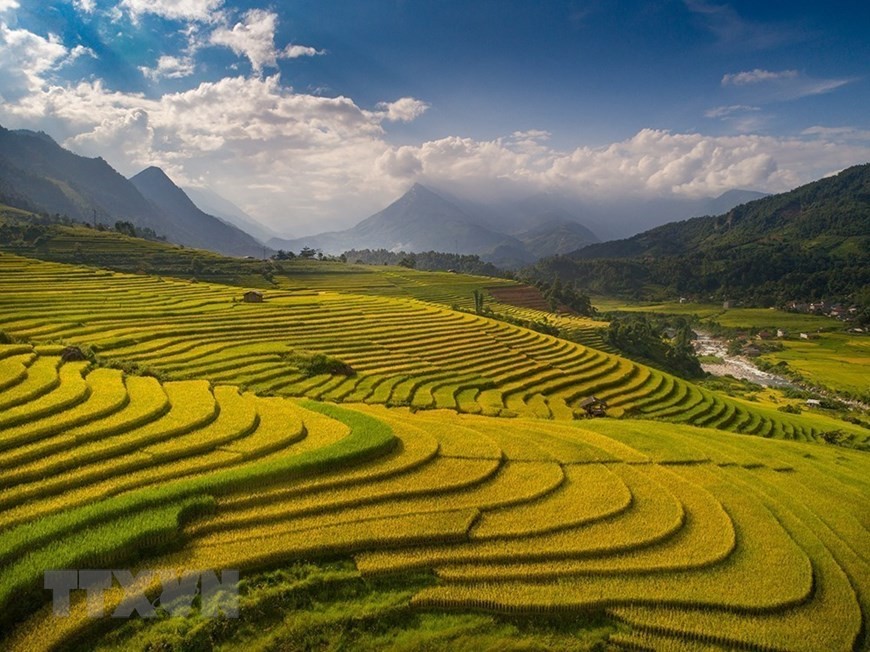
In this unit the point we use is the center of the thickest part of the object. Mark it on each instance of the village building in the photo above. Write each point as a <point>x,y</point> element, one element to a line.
<point>593,406</point>
<point>252,296</point>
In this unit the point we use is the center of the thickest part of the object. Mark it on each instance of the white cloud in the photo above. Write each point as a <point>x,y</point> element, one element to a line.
<point>837,133</point>
<point>80,51</point>
<point>26,58</point>
<point>741,118</point>
<point>201,10</point>
<point>87,6</point>
<point>783,85</point>
<point>296,51</point>
<point>7,5</point>
<point>756,76</point>
<point>254,37</point>
<point>404,109</point>
<point>532,134</point>
<point>306,163</point>
<point>169,67</point>
<point>652,164</point>
<point>726,111</point>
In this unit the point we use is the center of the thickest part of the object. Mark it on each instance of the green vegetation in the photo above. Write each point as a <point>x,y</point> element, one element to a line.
<point>833,360</point>
<point>430,261</point>
<point>307,606</point>
<point>808,244</point>
<point>646,339</point>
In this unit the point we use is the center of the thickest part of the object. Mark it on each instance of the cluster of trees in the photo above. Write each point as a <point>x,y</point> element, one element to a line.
<point>130,229</point>
<point>430,261</point>
<point>315,364</point>
<point>647,339</point>
<point>23,233</point>
<point>558,294</point>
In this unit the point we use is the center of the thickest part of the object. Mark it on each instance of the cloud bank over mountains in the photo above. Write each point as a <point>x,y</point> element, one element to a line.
<point>302,161</point>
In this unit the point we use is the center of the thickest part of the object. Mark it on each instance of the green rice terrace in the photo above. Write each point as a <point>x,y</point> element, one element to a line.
<point>389,473</point>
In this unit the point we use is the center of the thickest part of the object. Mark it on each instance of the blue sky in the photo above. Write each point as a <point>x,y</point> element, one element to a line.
<point>312,114</point>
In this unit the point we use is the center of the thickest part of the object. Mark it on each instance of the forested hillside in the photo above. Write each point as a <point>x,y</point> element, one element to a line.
<point>810,243</point>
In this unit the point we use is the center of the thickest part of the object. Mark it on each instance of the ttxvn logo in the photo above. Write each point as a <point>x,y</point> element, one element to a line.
<point>218,595</point>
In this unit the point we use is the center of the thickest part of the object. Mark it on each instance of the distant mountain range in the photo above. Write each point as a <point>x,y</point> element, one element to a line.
<point>509,235</point>
<point>38,174</point>
<point>424,220</point>
<point>809,243</point>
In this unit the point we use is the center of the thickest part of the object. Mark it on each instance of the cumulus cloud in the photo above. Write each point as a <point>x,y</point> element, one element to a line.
<point>201,10</point>
<point>652,163</point>
<point>254,37</point>
<point>26,59</point>
<point>303,162</point>
<point>404,109</point>
<point>7,5</point>
<point>169,67</point>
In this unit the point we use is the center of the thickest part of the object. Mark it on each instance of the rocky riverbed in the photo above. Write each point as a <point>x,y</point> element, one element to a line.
<point>738,366</point>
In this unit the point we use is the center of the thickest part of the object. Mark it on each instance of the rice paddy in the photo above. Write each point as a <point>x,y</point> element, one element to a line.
<point>454,453</point>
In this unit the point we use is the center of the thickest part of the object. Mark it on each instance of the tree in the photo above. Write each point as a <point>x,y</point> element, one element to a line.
<point>307,253</point>
<point>478,301</point>
<point>126,228</point>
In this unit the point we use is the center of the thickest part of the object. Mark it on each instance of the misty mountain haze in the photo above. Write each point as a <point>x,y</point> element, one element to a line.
<point>214,204</point>
<point>192,226</point>
<point>37,173</point>
<point>507,234</point>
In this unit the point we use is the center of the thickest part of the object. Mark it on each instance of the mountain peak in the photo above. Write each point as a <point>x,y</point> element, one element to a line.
<point>419,190</point>
<point>153,173</point>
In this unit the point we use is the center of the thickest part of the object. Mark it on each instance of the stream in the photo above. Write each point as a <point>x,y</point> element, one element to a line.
<point>737,366</point>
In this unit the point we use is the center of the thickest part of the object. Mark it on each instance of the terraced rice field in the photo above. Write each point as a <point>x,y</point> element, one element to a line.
<point>405,352</point>
<point>691,537</point>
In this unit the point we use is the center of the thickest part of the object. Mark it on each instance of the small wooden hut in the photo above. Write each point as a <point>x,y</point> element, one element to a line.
<point>252,296</point>
<point>594,407</point>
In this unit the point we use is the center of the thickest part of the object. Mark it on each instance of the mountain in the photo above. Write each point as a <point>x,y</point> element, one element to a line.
<point>38,174</point>
<point>556,234</point>
<point>191,226</point>
<point>212,203</point>
<point>812,242</point>
<point>420,220</point>
<point>730,199</point>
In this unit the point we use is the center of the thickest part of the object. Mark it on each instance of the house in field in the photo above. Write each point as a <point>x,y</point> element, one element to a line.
<point>252,296</point>
<point>814,402</point>
<point>809,336</point>
<point>72,354</point>
<point>594,407</point>
<point>781,333</point>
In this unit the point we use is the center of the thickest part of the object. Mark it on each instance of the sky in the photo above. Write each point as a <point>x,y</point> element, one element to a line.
<point>313,114</point>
